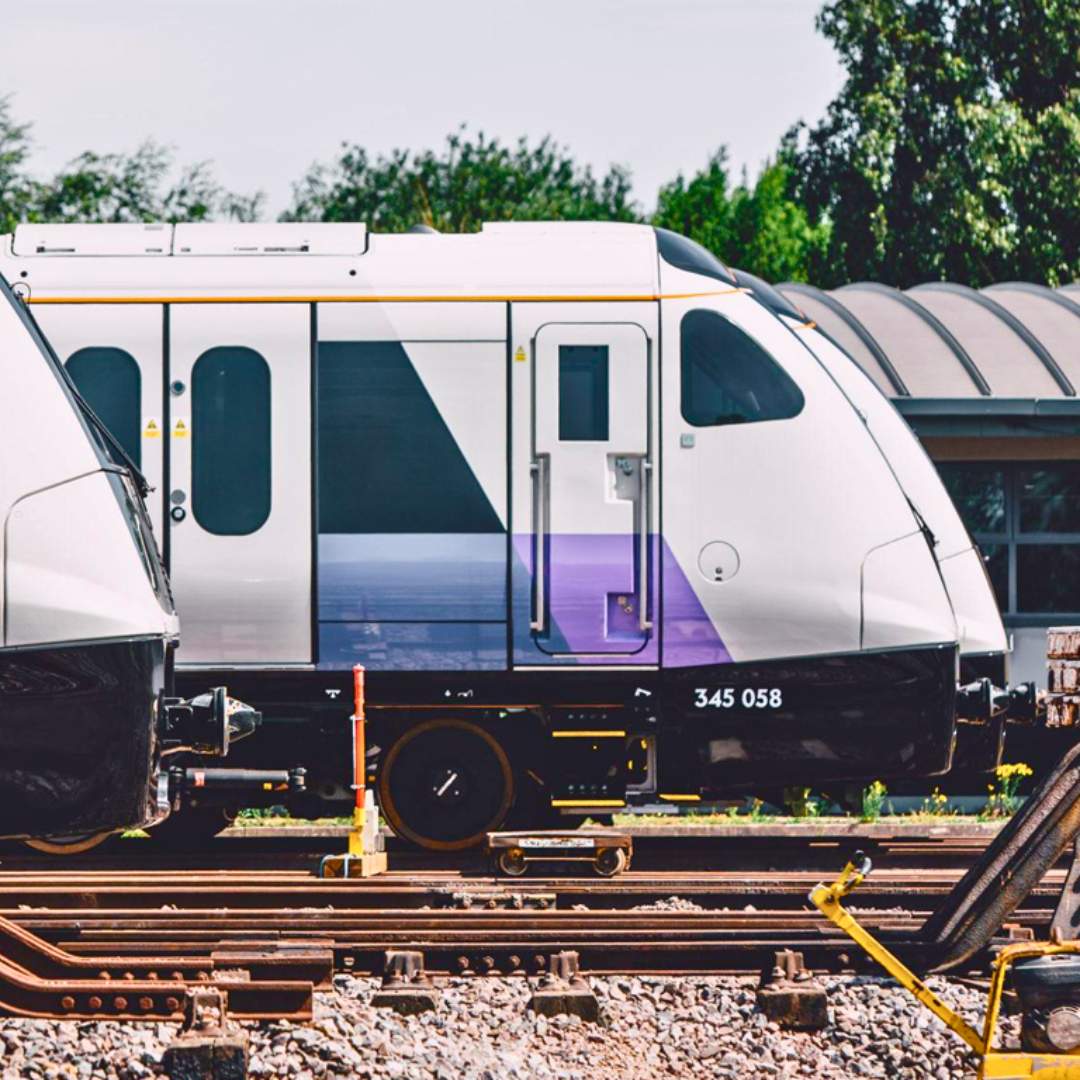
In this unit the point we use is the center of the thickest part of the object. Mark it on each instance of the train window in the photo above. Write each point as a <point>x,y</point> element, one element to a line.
<point>387,461</point>
<point>728,378</point>
<point>111,382</point>
<point>230,441</point>
<point>583,393</point>
<point>1049,499</point>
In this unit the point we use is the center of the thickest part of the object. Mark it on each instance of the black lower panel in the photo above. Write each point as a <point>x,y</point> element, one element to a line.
<point>77,737</point>
<point>858,717</point>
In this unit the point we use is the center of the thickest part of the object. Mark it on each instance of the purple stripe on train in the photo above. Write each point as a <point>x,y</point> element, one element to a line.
<point>593,606</point>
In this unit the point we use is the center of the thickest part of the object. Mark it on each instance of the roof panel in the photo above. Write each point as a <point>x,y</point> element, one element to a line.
<point>839,330</point>
<point>1006,362</point>
<point>921,356</point>
<point>1050,317</point>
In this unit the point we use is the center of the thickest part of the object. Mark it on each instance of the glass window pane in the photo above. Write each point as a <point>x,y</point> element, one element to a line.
<point>728,378</point>
<point>1047,577</point>
<point>583,393</point>
<point>111,382</point>
<point>1049,499</point>
<point>230,441</point>
<point>996,557</point>
<point>978,492</point>
<point>387,461</point>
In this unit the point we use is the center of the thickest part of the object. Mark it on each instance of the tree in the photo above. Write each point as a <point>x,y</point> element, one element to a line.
<point>953,148</point>
<point>760,229</point>
<point>110,187</point>
<point>472,180</point>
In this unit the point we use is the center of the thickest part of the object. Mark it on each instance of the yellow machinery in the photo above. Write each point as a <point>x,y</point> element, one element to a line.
<point>1045,976</point>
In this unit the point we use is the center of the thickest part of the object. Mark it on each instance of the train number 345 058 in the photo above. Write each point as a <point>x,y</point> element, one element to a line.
<point>728,698</point>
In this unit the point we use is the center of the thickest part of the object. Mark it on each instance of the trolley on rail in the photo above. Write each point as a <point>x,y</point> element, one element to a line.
<point>86,619</point>
<point>602,526</point>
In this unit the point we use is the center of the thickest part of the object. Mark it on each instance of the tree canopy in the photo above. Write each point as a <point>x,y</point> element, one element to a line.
<point>951,151</point>
<point>472,180</point>
<point>953,148</point>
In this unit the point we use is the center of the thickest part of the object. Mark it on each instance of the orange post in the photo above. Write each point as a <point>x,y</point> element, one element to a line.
<point>359,719</point>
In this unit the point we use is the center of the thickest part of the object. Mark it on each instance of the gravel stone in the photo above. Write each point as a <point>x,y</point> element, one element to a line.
<point>650,1027</point>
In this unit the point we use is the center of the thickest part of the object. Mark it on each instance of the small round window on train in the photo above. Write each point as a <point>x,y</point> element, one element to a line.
<point>110,381</point>
<point>230,441</point>
<point>728,378</point>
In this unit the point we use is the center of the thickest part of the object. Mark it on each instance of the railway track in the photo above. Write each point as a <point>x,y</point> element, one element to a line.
<point>256,905</point>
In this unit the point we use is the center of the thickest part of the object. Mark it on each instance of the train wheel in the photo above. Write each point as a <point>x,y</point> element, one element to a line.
<point>445,784</point>
<point>69,845</point>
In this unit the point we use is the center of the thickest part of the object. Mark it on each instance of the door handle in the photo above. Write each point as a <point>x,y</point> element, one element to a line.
<point>644,511</point>
<point>539,470</point>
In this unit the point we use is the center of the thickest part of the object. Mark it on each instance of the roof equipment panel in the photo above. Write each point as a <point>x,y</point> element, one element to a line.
<point>135,239</point>
<point>277,238</point>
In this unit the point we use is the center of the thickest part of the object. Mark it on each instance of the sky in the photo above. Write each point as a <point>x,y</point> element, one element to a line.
<point>263,88</point>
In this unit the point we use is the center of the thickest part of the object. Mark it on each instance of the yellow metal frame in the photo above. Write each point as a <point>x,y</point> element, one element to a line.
<point>994,1064</point>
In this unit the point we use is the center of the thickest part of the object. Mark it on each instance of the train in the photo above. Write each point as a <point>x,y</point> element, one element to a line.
<point>605,521</point>
<point>88,622</point>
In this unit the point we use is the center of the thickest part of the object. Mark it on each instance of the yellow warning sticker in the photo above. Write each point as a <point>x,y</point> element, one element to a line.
<point>151,427</point>
<point>181,427</point>
<point>519,356</point>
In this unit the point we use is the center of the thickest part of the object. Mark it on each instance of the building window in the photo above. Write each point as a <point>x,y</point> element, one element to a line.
<point>111,382</point>
<point>728,378</point>
<point>230,441</point>
<point>583,393</point>
<point>1026,519</point>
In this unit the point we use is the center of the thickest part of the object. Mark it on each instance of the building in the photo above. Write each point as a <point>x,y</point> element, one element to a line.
<point>988,381</point>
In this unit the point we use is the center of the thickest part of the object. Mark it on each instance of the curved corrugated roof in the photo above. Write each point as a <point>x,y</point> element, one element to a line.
<point>942,340</point>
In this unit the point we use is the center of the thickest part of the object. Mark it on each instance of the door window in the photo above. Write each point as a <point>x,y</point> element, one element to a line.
<point>728,378</point>
<point>230,449</point>
<point>111,382</point>
<point>583,393</point>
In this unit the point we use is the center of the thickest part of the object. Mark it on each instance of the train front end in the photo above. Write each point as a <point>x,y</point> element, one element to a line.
<point>86,618</point>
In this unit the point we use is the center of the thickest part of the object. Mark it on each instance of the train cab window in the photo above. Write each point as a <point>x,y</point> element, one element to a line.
<point>230,441</point>
<point>686,254</point>
<point>111,382</point>
<point>583,393</point>
<point>728,378</point>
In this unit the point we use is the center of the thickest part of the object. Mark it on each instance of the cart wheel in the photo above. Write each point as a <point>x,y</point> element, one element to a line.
<point>610,861</point>
<point>512,862</point>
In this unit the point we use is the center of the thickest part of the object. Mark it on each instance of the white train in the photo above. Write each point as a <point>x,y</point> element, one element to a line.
<point>604,525</point>
<point>87,619</point>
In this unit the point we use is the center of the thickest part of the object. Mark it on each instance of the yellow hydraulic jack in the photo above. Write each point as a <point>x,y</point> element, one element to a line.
<point>1044,974</point>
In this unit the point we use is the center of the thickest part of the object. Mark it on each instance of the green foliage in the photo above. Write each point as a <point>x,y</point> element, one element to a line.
<point>953,149</point>
<point>110,187</point>
<point>761,229</point>
<point>472,180</point>
<point>873,802</point>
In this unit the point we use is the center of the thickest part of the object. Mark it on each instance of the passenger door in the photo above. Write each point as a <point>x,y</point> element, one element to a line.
<point>240,482</point>
<point>583,495</point>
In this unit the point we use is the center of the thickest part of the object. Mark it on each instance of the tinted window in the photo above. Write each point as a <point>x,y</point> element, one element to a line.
<point>727,378</point>
<point>689,255</point>
<point>230,441</point>
<point>1047,577</point>
<point>111,382</point>
<point>769,297</point>
<point>978,492</point>
<point>996,557</point>
<point>388,463</point>
<point>1049,499</point>
<point>583,393</point>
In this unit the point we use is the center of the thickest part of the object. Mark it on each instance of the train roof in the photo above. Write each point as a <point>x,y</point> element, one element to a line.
<point>505,260</point>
